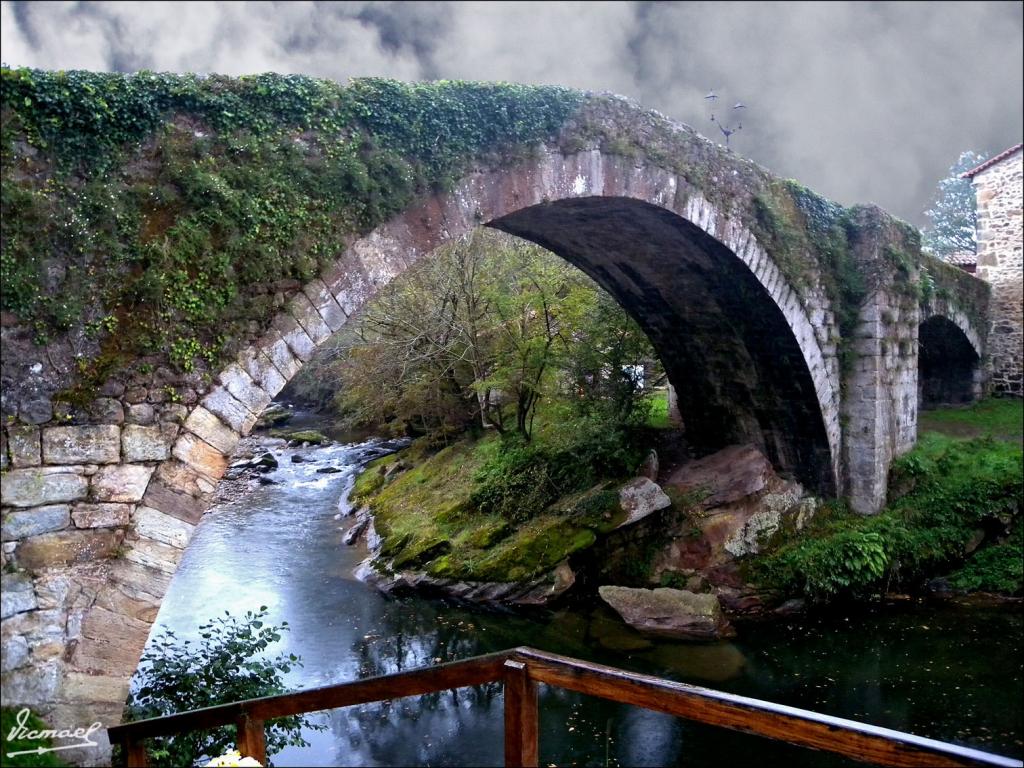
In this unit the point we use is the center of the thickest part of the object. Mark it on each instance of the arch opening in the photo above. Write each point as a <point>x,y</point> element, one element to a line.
<point>737,368</point>
<point>948,370</point>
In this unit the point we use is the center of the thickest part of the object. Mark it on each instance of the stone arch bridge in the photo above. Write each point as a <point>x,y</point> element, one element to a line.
<point>781,320</point>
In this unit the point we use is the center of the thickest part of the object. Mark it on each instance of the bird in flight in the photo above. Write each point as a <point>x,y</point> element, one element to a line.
<point>711,95</point>
<point>740,105</point>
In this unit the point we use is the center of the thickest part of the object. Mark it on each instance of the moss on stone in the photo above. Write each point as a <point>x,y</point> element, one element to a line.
<point>301,436</point>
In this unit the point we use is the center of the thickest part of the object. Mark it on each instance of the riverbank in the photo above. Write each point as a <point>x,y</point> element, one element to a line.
<point>730,528</point>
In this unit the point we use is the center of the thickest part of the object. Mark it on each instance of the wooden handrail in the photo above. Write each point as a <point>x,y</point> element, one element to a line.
<point>520,670</point>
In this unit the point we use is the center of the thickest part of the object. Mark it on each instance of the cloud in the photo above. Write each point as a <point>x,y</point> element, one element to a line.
<point>860,101</point>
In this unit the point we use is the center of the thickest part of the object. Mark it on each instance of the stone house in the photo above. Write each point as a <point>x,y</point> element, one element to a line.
<point>999,185</point>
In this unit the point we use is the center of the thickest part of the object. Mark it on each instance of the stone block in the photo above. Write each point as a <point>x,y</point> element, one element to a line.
<point>115,598</point>
<point>174,503</point>
<point>68,547</point>
<point>25,446</point>
<point>22,523</point>
<point>200,455</point>
<point>174,413</point>
<point>147,443</point>
<point>37,410</point>
<point>79,686</point>
<point>82,445</point>
<point>302,309</point>
<point>222,403</point>
<point>211,429</point>
<point>161,527</point>
<point>325,304</point>
<point>295,337</point>
<point>242,387</point>
<point>182,478</point>
<point>125,483</point>
<point>280,354</point>
<point>101,515</point>
<point>106,410</point>
<point>16,595</point>
<point>153,554</point>
<point>111,642</point>
<point>36,487</point>
<point>141,413</point>
<point>13,653</point>
<point>33,686</point>
<point>262,370</point>
<point>139,581</point>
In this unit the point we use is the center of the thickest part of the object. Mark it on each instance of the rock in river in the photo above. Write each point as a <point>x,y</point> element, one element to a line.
<point>669,612</point>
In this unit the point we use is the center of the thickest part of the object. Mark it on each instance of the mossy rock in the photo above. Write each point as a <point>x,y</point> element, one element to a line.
<point>393,545</point>
<point>598,509</point>
<point>301,436</point>
<point>533,549</point>
<point>417,553</point>
<point>489,535</point>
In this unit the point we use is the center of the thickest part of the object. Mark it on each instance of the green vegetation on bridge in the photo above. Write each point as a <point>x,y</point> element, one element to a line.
<point>169,216</point>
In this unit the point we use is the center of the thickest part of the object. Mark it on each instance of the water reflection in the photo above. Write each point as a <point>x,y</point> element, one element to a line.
<point>944,673</point>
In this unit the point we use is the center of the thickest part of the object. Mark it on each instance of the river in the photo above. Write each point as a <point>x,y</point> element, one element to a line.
<point>947,672</point>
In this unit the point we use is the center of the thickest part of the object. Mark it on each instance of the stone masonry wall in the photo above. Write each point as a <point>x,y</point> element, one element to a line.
<point>1000,262</point>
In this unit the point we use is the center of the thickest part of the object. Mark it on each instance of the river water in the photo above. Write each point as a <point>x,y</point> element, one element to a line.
<point>946,672</point>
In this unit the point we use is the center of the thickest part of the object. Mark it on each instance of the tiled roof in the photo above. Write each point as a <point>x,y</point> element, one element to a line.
<point>991,161</point>
<point>962,257</point>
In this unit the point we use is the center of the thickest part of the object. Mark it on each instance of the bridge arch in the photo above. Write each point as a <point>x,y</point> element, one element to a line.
<point>751,357</point>
<point>949,356</point>
<point>647,237</point>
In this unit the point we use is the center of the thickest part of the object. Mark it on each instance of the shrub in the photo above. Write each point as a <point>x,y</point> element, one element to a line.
<point>951,490</point>
<point>224,667</point>
<point>521,479</point>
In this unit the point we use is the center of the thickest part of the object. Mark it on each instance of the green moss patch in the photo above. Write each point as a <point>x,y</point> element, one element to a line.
<point>429,520</point>
<point>181,207</point>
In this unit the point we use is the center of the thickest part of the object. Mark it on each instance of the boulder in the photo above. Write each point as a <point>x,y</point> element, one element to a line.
<point>738,503</point>
<point>274,416</point>
<point>723,477</point>
<point>640,498</point>
<point>669,612</point>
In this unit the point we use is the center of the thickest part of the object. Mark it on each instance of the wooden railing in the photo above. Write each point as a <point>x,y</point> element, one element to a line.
<point>521,669</point>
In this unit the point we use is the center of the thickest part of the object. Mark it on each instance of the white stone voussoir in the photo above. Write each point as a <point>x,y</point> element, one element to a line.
<point>305,314</point>
<point>232,412</point>
<point>242,387</point>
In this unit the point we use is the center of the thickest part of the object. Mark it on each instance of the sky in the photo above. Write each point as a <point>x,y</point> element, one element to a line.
<point>862,102</point>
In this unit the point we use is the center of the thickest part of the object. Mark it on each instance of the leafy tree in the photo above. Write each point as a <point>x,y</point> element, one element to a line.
<point>478,335</point>
<point>954,213</point>
<point>225,667</point>
<point>606,347</point>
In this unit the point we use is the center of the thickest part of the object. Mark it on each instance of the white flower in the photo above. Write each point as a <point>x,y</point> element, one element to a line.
<point>233,759</point>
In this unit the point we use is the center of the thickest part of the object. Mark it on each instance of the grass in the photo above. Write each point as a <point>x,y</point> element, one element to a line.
<point>657,418</point>
<point>963,477</point>
<point>1001,418</point>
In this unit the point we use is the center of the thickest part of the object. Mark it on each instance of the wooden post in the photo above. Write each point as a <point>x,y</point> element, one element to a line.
<point>133,753</point>
<point>252,739</point>
<point>520,716</point>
